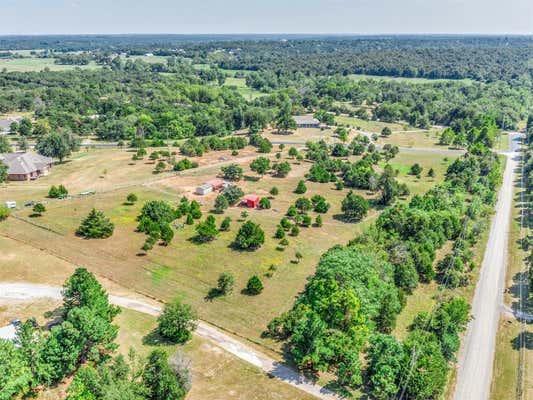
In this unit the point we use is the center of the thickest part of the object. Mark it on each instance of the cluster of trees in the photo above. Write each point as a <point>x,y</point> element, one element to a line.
<point>466,132</point>
<point>57,192</point>
<point>197,147</point>
<point>83,345</point>
<point>146,104</point>
<point>155,219</point>
<point>86,333</point>
<point>229,197</point>
<point>156,377</point>
<point>57,145</point>
<point>418,366</point>
<point>351,304</point>
<point>188,104</point>
<point>359,174</point>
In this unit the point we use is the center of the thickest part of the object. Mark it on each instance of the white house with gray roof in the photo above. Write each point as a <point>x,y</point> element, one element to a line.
<point>25,166</point>
<point>306,121</point>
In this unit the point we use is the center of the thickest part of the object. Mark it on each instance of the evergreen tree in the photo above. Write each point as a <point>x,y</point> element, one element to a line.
<point>96,226</point>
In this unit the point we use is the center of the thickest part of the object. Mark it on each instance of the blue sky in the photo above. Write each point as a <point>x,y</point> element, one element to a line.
<point>266,16</point>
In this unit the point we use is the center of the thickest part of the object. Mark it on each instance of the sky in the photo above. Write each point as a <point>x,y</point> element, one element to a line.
<point>266,16</point>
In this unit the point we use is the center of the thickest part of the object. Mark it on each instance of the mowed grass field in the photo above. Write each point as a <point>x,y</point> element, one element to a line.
<point>368,125</point>
<point>425,139</point>
<point>245,91</point>
<point>182,269</point>
<point>38,64</point>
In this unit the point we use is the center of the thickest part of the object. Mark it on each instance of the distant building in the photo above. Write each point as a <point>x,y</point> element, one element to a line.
<point>26,166</point>
<point>5,124</point>
<point>216,183</point>
<point>251,200</point>
<point>204,189</point>
<point>306,121</point>
<point>8,332</point>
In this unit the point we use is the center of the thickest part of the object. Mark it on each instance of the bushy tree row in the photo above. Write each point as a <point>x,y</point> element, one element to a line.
<point>357,291</point>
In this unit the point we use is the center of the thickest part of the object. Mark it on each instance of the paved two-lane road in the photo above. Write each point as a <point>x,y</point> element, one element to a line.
<point>477,355</point>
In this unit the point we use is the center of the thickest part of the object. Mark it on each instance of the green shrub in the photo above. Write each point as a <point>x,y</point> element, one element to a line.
<point>254,285</point>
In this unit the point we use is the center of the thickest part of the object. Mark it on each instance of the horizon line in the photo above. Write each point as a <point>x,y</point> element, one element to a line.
<point>351,34</point>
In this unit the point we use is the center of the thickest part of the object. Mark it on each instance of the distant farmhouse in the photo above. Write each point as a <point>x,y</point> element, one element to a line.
<point>306,121</point>
<point>25,166</point>
<point>5,124</point>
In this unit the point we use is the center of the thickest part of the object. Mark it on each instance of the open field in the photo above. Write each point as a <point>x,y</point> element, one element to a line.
<point>245,91</point>
<point>421,139</point>
<point>183,268</point>
<point>38,64</point>
<point>426,139</point>
<point>368,125</point>
<point>358,77</point>
<point>148,59</point>
<point>301,135</point>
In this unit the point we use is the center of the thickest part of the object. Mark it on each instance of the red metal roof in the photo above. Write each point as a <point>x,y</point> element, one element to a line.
<point>216,182</point>
<point>251,197</point>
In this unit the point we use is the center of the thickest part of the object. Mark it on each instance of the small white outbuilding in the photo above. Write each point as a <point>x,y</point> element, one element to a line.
<point>204,189</point>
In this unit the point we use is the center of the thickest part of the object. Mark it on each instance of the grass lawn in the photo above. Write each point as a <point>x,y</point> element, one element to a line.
<point>183,268</point>
<point>502,142</point>
<point>419,139</point>
<point>38,64</point>
<point>301,136</point>
<point>368,126</point>
<point>245,91</point>
<point>506,362</point>
<point>216,373</point>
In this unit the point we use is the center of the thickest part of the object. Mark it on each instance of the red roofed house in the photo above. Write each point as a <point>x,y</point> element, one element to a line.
<point>216,183</point>
<point>252,200</point>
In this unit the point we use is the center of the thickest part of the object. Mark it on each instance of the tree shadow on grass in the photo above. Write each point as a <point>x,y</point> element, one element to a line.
<point>249,178</point>
<point>213,294</point>
<point>155,339</point>
<point>523,340</point>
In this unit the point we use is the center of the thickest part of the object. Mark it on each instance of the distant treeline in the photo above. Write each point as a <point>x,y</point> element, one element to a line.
<point>484,58</point>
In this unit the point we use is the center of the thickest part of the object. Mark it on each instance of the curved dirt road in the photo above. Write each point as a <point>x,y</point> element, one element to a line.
<point>28,291</point>
<point>477,354</point>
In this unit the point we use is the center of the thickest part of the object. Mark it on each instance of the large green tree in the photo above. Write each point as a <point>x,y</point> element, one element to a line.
<point>177,321</point>
<point>250,236</point>
<point>354,207</point>
<point>96,226</point>
<point>57,145</point>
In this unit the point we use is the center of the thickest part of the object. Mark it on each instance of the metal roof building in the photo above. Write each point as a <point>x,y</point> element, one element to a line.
<point>306,121</point>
